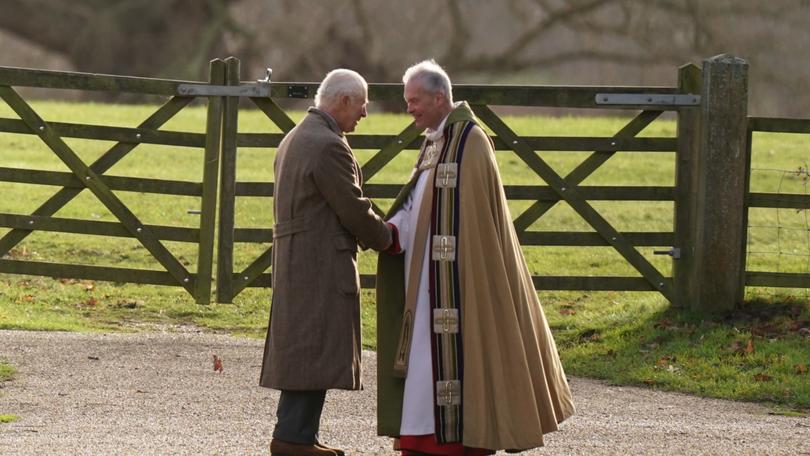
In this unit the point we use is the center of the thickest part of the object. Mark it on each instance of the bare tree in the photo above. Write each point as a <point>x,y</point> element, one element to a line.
<point>137,37</point>
<point>532,41</point>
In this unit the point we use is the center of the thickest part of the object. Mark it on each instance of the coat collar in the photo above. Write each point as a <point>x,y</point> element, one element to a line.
<point>461,113</point>
<point>330,121</point>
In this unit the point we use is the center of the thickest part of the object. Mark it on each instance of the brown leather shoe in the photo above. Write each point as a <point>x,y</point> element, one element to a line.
<point>282,448</point>
<point>337,451</point>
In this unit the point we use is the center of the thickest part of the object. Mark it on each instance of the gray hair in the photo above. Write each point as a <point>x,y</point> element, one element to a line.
<point>433,77</point>
<point>338,83</point>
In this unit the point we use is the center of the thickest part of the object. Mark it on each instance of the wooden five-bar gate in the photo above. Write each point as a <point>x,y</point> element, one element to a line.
<point>711,173</point>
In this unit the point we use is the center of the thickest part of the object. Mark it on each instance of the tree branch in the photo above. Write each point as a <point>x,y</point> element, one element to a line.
<point>501,65</point>
<point>560,15</point>
<point>362,21</point>
<point>460,35</point>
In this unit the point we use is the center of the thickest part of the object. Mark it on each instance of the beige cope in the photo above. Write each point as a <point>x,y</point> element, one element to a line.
<point>514,386</point>
<point>313,339</point>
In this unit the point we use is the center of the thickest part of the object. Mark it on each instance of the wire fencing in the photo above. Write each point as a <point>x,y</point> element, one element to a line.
<point>779,238</point>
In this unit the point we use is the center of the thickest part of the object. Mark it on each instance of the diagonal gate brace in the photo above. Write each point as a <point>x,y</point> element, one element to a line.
<point>101,165</point>
<point>95,185</point>
<point>569,193</point>
<point>586,168</point>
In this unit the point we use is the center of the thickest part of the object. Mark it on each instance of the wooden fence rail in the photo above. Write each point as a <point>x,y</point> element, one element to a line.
<point>713,127</point>
<point>91,177</point>
<point>557,188</point>
<point>776,201</point>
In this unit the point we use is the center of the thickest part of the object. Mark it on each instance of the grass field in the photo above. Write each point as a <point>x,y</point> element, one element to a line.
<point>628,338</point>
<point>6,372</point>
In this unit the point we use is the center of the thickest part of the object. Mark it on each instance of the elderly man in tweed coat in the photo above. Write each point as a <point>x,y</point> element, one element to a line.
<point>313,339</point>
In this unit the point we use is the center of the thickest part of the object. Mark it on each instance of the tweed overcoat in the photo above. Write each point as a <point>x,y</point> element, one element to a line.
<point>313,338</point>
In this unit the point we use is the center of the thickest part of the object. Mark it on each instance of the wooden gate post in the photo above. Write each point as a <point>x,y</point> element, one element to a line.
<point>720,200</point>
<point>686,184</point>
<point>227,183</point>
<point>213,130</point>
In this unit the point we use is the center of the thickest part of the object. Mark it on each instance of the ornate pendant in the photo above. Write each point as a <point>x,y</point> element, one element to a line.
<point>431,157</point>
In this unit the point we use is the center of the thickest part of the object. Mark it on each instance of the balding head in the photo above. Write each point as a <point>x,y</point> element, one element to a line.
<point>338,83</point>
<point>344,95</point>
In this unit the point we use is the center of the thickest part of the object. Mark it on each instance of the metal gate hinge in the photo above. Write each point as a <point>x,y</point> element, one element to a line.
<point>646,99</point>
<point>207,90</point>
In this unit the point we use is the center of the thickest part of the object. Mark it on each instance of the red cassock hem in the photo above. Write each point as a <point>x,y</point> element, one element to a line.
<point>427,444</point>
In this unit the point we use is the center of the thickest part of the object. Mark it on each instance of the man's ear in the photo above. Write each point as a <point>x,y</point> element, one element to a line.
<point>345,101</point>
<point>440,97</point>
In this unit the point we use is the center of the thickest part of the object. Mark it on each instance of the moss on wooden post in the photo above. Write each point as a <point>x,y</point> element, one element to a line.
<point>720,199</point>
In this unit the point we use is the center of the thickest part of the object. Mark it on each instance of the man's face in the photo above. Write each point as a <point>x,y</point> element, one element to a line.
<point>425,107</point>
<point>352,109</point>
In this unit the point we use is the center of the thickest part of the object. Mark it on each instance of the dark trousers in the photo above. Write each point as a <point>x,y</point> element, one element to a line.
<point>299,416</point>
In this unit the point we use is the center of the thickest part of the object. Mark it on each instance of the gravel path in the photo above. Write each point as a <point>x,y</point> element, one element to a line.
<point>157,393</point>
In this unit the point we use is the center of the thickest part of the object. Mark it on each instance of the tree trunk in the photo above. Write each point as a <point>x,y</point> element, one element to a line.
<point>173,38</point>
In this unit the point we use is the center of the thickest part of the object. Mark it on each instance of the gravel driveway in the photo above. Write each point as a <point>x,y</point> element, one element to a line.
<point>157,393</point>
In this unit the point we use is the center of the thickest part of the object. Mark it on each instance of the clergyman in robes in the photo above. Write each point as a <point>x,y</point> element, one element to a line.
<point>313,339</point>
<point>466,360</point>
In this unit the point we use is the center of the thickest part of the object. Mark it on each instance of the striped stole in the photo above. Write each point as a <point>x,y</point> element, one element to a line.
<point>445,298</point>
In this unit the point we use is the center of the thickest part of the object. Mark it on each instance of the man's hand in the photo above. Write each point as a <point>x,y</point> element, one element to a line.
<point>394,248</point>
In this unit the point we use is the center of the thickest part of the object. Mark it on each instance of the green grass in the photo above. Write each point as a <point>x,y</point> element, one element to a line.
<point>626,338</point>
<point>8,418</point>
<point>6,372</point>
<point>756,354</point>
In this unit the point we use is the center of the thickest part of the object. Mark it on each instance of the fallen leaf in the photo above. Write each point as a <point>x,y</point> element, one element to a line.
<point>130,303</point>
<point>749,348</point>
<point>91,302</point>
<point>767,330</point>
<point>763,378</point>
<point>567,312</point>
<point>590,335</point>
<point>742,348</point>
<point>217,364</point>
<point>800,369</point>
<point>595,337</point>
<point>663,361</point>
<point>664,323</point>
